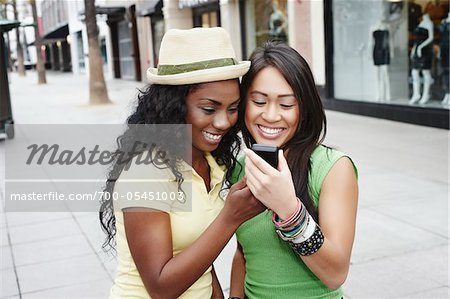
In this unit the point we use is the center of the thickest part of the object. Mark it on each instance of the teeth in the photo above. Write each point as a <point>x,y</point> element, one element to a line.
<point>212,136</point>
<point>270,130</point>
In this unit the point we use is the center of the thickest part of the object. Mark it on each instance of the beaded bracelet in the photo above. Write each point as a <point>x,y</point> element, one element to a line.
<point>311,245</point>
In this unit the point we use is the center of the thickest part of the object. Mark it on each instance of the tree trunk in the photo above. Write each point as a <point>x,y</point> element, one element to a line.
<point>40,69</point>
<point>19,49</point>
<point>98,94</point>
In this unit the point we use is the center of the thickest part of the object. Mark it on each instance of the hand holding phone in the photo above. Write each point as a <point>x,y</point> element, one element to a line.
<point>268,152</point>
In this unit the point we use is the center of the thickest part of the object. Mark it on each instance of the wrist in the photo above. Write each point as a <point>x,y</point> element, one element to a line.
<point>228,220</point>
<point>288,209</point>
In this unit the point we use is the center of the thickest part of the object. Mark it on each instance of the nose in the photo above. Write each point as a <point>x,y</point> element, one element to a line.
<point>271,113</point>
<point>222,121</point>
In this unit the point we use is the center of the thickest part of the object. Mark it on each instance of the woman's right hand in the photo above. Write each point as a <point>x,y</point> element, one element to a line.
<point>240,204</point>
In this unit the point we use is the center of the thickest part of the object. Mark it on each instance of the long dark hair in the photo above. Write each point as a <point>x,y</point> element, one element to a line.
<point>312,124</point>
<point>159,104</point>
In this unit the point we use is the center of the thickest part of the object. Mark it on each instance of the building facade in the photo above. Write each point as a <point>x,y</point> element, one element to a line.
<point>55,22</point>
<point>380,58</point>
<point>388,59</point>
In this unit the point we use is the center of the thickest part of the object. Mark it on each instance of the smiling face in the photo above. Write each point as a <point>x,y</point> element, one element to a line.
<point>272,111</point>
<point>212,111</point>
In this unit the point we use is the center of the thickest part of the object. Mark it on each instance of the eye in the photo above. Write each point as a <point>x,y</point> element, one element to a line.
<point>258,102</point>
<point>233,109</point>
<point>208,110</point>
<point>287,106</point>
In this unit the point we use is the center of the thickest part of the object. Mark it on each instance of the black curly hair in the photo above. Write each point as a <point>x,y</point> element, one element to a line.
<point>159,104</point>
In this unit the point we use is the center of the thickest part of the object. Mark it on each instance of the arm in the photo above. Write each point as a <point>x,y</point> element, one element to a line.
<point>238,273</point>
<point>429,28</point>
<point>150,241</point>
<point>337,218</point>
<point>217,288</point>
<point>391,43</point>
<point>337,211</point>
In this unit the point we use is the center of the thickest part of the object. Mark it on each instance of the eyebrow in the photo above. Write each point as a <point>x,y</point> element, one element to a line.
<point>266,95</point>
<point>217,103</point>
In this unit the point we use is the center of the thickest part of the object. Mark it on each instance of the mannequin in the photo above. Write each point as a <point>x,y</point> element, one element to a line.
<point>382,54</point>
<point>277,23</point>
<point>414,14</point>
<point>421,58</point>
<point>444,28</point>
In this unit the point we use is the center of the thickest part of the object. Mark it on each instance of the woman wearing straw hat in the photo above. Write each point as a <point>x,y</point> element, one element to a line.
<point>164,252</point>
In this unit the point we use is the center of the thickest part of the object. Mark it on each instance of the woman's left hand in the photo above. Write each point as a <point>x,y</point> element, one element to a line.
<point>274,188</point>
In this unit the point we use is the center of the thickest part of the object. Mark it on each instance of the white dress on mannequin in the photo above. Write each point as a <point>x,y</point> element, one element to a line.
<point>422,63</point>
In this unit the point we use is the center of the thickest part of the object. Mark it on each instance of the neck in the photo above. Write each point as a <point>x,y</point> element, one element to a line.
<point>198,157</point>
<point>382,25</point>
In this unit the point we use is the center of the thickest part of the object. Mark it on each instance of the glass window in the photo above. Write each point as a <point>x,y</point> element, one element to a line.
<point>392,52</point>
<point>80,49</point>
<point>266,20</point>
<point>157,35</point>
<point>103,50</point>
<point>206,16</point>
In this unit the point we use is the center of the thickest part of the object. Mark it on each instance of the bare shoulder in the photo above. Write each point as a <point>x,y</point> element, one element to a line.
<point>341,181</point>
<point>343,167</point>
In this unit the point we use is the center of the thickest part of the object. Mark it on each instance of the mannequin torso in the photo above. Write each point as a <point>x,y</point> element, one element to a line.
<point>422,52</point>
<point>381,49</point>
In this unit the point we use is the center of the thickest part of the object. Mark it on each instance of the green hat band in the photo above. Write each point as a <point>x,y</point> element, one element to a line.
<point>195,66</point>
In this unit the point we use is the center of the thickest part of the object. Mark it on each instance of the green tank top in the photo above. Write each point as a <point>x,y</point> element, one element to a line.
<point>273,270</point>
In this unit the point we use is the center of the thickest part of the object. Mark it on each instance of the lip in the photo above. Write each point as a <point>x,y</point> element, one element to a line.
<point>212,138</point>
<point>270,136</point>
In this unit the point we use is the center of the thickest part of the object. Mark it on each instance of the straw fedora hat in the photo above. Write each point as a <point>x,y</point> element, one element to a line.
<point>196,55</point>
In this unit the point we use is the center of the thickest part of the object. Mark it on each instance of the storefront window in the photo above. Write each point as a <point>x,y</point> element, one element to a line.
<point>392,52</point>
<point>81,64</point>
<point>266,20</point>
<point>207,15</point>
<point>157,35</point>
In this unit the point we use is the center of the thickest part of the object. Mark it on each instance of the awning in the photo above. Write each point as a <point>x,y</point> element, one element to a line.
<point>150,7</point>
<point>113,11</point>
<point>58,33</point>
<point>7,25</point>
<point>194,3</point>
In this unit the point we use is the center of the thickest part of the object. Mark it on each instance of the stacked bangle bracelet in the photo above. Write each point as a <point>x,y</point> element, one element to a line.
<point>300,230</point>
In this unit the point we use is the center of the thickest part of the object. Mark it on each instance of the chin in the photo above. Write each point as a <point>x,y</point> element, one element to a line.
<point>208,147</point>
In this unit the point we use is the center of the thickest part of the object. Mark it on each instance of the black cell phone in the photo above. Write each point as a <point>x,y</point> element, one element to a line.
<point>268,152</point>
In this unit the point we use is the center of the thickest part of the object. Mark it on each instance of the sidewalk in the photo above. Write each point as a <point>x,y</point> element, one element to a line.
<point>401,245</point>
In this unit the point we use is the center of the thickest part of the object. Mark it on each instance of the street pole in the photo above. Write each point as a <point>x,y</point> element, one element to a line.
<point>4,84</point>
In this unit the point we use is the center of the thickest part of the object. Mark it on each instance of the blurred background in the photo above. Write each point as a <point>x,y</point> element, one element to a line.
<point>83,61</point>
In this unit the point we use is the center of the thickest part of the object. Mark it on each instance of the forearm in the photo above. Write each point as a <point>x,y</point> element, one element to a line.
<point>181,271</point>
<point>426,42</point>
<point>237,275</point>
<point>330,264</point>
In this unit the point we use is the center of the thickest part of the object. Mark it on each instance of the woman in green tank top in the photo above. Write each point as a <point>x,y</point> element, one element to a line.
<point>300,247</point>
